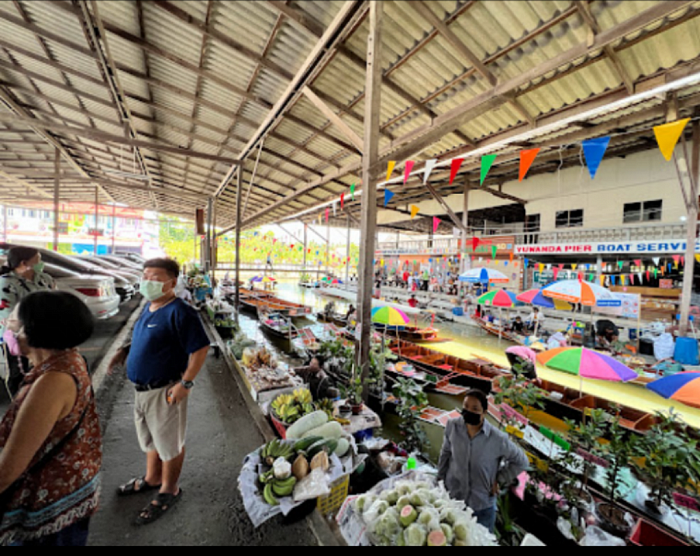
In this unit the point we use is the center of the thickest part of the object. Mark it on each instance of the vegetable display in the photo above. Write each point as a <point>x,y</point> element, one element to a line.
<point>415,513</point>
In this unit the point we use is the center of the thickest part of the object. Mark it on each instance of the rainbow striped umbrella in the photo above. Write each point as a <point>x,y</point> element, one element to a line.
<point>575,291</point>
<point>587,364</point>
<point>389,316</point>
<point>484,276</point>
<point>535,297</point>
<point>683,388</point>
<point>498,298</point>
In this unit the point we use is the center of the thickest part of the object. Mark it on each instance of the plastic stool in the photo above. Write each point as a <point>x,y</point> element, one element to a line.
<point>687,352</point>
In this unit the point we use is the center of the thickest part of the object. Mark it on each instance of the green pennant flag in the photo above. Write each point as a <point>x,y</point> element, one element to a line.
<point>352,191</point>
<point>494,251</point>
<point>486,163</point>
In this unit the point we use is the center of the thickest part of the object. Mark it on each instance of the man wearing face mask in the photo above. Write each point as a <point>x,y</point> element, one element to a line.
<point>477,459</point>
<point>168,350</point>
<point>22,274</point>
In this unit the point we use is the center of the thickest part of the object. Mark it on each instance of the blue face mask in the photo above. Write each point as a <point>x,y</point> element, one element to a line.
<point>151,290</point>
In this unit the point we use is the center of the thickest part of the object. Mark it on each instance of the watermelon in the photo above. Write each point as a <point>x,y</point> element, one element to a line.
<point>408,516</point>
<point>437,538</point>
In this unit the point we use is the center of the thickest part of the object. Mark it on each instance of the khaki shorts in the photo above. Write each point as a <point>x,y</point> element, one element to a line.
<point>160,427</point>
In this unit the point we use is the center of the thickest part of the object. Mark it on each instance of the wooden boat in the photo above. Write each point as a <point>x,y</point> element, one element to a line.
<point>254,300</point>
<point>410,333</point>
<point>335,318</point>
<point>470,373</point>
<point>430,415</point>
<point>496,331</point>
<point>430,382</point>
<point>277,326</point>
<point>309,285</point>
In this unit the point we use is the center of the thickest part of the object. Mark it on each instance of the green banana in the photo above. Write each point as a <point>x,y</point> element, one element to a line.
<point>269,497</point>
<point>284,488</point>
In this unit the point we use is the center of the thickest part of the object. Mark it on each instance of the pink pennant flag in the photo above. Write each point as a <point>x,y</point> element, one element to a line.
<point>638,263</point>
<point>556,271</point>
<point>436,223</point>
<point>409,168</point>
<point>328,215</point>
<point>683,261</point>
<point>561,267</point>
<point>456,165</point>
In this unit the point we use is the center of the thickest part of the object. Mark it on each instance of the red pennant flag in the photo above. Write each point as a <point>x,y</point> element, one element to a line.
<point>456,165</point>
<point>436,223</point>
<point>580,276</point>
<point>648,276</point>
<point>475,243</point>
<point>409,168</point>
<point>638,262</point>
<point>342,201</point>
<point>291,246</point>
<point>327,214</point>
<point>556,272</point>
<point>683,261</point>
<point>274,241</point>
<point>526,160</point>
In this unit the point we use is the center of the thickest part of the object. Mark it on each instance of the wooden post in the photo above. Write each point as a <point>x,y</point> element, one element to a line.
<point>689,272</point>
<point>97,216</point>
<point>239,212</point>
<point>56,196</point>
<point>370,171</point>
<point>4,223</point>
<point>465,223</point>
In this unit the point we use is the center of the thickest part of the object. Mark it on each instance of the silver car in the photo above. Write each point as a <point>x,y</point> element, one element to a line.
<point>97,292</point>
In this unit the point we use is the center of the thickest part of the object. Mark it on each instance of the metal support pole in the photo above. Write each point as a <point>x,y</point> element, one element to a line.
<point>239,212</point>
<point>689,272</point>
<point>207,241</point>
<point>114,228</point>
<point>4,223</point>
<point>306,243</point>
<point>465,222</point>
<point>56,196</point>
<point>370,173</point>
<point>347,258</point>
<point>97,216</point>
<point>328,248</point>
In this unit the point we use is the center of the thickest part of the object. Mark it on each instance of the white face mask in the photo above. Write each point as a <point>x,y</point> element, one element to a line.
<point>151,290</point>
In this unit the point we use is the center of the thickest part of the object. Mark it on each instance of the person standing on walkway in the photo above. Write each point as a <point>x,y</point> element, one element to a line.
<point>168,350</point>
<point>50,439</point>
<point>477,459</point>
<point>22,274</point>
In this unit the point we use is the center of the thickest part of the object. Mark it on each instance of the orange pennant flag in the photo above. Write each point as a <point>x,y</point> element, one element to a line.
<point>414,211</point>
<point>526,160</point>
<point>668,135</point>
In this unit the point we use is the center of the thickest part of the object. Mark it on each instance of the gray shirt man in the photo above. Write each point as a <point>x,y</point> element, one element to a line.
<point>470,467</point>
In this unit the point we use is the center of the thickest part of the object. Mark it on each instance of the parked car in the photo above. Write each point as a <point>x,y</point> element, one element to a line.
<point>104,263</point>
<point>97,292</point>
<point>122,263</point>
<point>134,257</point>
<point>126,287</point>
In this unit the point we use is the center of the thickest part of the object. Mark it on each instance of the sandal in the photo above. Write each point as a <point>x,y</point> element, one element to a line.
<point>162,504</point>
<point>130,488</point>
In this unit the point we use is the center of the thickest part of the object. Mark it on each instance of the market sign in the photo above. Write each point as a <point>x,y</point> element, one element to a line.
<point>609,303</point>
<point>635,247</point>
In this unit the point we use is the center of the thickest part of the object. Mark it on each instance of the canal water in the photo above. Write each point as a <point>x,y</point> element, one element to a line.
<point>467,342</point>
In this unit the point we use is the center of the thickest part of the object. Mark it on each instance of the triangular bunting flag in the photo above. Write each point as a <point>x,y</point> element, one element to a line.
<point>641,279</point>
<point>556,273</point>
<point>392,165</point>
<point>656,260</point>
<point>574,266</point>
<point>335,214</point>
<point>494,251</point>
<point>328,215</point>
<point>475,243</point>
<point>697,258</point>
<point>511,257</point>
<point>409,168</point>
<point>594,151</point>
<point>429,167</point>
<point>436,223</point>
<point>668,135</point>
<point>648,276</point>
<point>486,164</point>
<point>526,160</point>
<point>414,211</point>
<point>342,201</point>
<point>621,264</point>
<point>352,191</point>
<point>388,196</point>
<point>638,263</point>
<point>456,165</point>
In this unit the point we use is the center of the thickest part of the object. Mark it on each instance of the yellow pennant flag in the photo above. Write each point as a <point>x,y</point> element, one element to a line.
<point>541,268</point>
<point>668,135</point>
<point>415,210</point>
<point>574,266</point>
<point>697,258</point>
<point>392,165</point>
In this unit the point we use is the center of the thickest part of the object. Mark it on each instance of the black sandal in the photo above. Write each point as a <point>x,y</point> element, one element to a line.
<point>162,504</point>
<point>130,489</point>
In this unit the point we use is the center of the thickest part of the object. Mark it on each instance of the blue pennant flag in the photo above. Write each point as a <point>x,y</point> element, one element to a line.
<point>594,151</point>
<point>388,196</point>
<point>526,262</point>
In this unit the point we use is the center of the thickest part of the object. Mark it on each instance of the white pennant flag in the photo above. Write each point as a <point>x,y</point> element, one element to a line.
<point>641,278</point>
<point>656,260</point>
<point>334,212</point>
<point>429,167</point>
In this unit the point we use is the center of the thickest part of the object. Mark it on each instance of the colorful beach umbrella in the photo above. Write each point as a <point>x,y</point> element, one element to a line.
<point>535,297</point>
<point>587,364</point>
<point>575,291</point>
<point>683,388</point>
<point>257,279</point>
<point>389,316</point>
<point>484,276</point>
<point>498,298</point>
<point>337,282</point>
<point>268,280</point>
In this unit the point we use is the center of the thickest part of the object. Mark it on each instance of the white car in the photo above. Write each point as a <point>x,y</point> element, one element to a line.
<point>97,292</point>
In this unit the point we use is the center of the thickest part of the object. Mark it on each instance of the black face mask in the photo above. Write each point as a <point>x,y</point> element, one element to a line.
<point>473,419</point>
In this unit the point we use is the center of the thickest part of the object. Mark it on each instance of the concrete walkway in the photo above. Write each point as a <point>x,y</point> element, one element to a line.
<point>221,433</point>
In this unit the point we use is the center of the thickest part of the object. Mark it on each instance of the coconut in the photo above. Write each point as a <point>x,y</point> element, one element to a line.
<point>408,516</point>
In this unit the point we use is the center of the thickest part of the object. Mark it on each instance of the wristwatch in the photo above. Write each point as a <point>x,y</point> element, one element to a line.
<point>187,385</point>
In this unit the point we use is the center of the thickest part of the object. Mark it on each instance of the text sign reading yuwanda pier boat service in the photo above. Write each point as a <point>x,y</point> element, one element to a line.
<point>631,247</point>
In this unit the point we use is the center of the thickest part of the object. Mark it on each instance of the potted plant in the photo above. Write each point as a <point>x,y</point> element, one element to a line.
<point>617,454</point>
<point>579,463</point>
<point>520,394</point>
<point>666,460</point>
<point>355,395</point>
<point>412,400</point>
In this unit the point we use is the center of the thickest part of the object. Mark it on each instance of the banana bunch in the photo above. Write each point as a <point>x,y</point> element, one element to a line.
<point>277,449</point>
<point>303,397</point>
<point>276,489</point>
<point>327,406</point>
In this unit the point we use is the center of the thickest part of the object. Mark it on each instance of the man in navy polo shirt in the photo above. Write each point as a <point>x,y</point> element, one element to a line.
<point>168,350</point>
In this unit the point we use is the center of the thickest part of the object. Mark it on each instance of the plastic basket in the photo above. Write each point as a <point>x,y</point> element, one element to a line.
<point>647,534</point>
<point>329,505</point>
